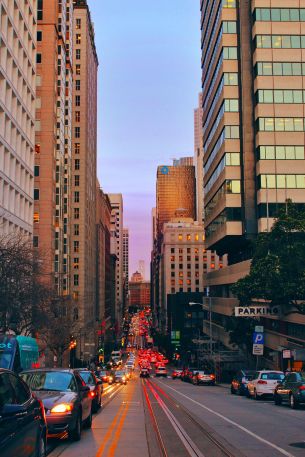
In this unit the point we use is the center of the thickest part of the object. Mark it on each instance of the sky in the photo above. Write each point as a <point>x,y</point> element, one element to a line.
<point>149,80</point>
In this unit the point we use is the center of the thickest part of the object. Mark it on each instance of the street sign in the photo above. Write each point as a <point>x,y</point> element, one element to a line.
<point>258,349</point>
<point>258,338</point>
<point>259,329</point>
<point>254,311</point>
<point>286,354</point>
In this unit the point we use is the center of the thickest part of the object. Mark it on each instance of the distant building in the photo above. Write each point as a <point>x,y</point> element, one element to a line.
<point>142,268</point>
<point>198,158</point>
<point>183,161</point>
<point>17,119</point>
<point>139,291</point>
<point>125,266</point>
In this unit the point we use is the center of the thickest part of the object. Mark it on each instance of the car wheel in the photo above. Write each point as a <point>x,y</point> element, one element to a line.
<point>294,404</point>
<point>41,446</point>
<point>76,433</point>
<point>277,399</point>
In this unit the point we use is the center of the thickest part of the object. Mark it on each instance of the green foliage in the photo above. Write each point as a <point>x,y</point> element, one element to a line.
<point>277,272</point>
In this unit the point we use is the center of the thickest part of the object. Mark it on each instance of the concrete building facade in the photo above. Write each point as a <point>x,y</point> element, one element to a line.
<point>198,158</point>
<point>253,139</point>
<point>116,201</point>
<point>83,185</point>
<point>139,291</point>
<point>126,266</point>
<point>53,140</point>
<point>17,115</point>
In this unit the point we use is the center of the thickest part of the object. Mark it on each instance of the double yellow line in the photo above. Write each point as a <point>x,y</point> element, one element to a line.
<point>116,427</point>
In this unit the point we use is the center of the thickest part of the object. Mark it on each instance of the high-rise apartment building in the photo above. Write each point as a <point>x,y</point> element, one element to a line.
<point>198,158</point>
<point>116,201</point>
<point>142,268</point>
<point>176,190</point>
<point>126,263</point>
<point>53,139</point>
<point>253,67</point>
<point>17,115</point>
<point>84,157</point>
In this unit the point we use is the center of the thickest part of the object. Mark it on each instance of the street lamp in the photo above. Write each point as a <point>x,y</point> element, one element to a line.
<point>207,308</point>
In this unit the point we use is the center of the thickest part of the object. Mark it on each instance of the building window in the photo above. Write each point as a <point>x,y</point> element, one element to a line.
<point>280,124</point>
<point>188,258</point>
<point>35,241</point>
<point>36,194</point>
<point>180,237</point>
<point>173,250</point>
<point>39,35</point>
<point>38,57</point>
<point>197,282</point>
<point>77,132</point>
<point>77,100</point>
<point>173,282</point>
<point>172,274</point>
<point>76,213</point>
<point>196,237</point>
<point>76,246</point>
<point>188,250</point>
<point>36,218</point>
<point>76,280</point>
<point>180,282</point>
<point>189,289</point>
<point>77,84</point>
<point>77,116</point>
<point>173,290</point>
<point>76,148</point>
<point>197,266</point>
<point>77,54</point>
<point>78,38</point>
<point>40,10</point>
<point>180,274</point>
<point>172,258</point>
<point>188,237</point>
<point>76,164</point>
<point>77,69</point>
<point>78,24</point>
<point>188,282</point>
<point>188,266</point>
<point>76,180</point>
<point>36,171</point>
<point>76,197</point>
<point>76,263</point>
<point>172,266</point>
<point>180,289</point>
<point>76,229</point>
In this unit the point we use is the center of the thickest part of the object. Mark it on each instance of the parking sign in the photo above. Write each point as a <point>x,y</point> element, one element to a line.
<point>258,338</point>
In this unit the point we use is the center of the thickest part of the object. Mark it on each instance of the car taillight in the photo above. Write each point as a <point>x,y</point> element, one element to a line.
<point>261,382</point>
<point>92,394</point>
<point>301,387</point>
<point>212,376</point>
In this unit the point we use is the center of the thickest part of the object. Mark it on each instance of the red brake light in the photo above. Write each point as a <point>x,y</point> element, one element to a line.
<point>301,387</point>
<point>92,394</point>
<point>261,382</point>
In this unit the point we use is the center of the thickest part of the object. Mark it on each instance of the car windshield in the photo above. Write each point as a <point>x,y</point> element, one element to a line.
<point>50,380</point>
<point>87,377</point>
<point>202,372</point>
<point>102,373</point>
<point>120,373</point>
<point>272,376</point>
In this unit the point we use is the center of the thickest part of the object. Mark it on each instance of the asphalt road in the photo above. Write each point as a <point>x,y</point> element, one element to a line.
<point>162,417</point>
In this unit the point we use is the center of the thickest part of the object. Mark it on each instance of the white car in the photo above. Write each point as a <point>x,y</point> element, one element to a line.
<point>264,383</point>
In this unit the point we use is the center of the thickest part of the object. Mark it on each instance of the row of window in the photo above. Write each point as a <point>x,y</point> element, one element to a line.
<point>280,96</point>
<point>188,258</point>
<point>280,41</point>
<point>189,237</point>
<point>230,186</point>
<point>280,124</point>
<point>227,215</point>
<point>272,209</point>
<point>188,274</point>
<point>229,159</point>
<point>281,181</point>
<point>279,69</point>
<point>279,14</point>
<point>180,282</point>
<point>189,289</point>
<point>188,250</point>
<point>280,153</point>
<point>188,266</point>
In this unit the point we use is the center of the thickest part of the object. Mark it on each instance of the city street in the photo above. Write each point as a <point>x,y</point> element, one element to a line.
<point>154,417</point>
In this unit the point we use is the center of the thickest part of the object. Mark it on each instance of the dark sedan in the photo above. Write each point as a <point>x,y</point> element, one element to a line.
<point>102,374</point>
<point>96,388</point>
<point>66,399</point>
<point>22,419</point>
<point>239,384</point>
<point>291,390</point>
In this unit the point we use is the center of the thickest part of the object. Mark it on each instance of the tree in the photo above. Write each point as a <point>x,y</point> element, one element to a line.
<point>277,272</point>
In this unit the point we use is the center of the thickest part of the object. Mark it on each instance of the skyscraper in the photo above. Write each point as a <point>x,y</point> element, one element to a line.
<point>17,115</point>
<point>126,263</point>
<point>253,68</point>
<point>175,193</point>
<point>116,201</point>
<point>198,158</point>
<point>142,268</point>
<point>84,156</point>
<point>53,139</point>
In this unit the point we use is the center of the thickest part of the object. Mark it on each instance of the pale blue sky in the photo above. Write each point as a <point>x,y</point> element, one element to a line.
<point>149,80</point>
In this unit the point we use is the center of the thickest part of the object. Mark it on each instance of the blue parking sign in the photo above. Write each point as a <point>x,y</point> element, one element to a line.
<point>258,338</point>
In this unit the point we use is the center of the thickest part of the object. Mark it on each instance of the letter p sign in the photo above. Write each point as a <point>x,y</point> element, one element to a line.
<point>258,338</point>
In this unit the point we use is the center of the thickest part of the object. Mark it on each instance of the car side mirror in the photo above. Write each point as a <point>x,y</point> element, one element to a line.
<point>84,388</point>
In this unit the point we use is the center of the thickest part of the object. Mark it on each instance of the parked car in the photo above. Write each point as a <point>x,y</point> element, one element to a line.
<point>239,384</point>
<point>66,399</point>
<point>144,373</point>
<point>23,427</point>
<point>291,389</point>
<point>264,383</point>
<point>96,388</point>
<point>187,374</point>
<point>176,374</point>
<point>161,371</point>
<point>203,377</point>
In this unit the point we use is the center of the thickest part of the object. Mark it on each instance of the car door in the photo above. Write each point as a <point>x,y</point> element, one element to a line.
<point>252,384</point>
<point>30,417</point>
<point>84,397</point>
<point>12,431</point>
